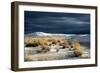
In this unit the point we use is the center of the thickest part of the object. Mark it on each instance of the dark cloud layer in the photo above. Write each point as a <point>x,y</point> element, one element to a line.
<point>51,22</point>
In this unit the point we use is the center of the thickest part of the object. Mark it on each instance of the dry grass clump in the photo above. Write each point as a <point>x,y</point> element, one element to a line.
<point>76,47</point>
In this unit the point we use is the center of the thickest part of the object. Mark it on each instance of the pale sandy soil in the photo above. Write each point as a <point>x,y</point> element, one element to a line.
<point>32,55</point>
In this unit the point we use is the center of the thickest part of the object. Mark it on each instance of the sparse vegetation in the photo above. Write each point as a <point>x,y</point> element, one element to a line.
<point>46,42</point>
<point>49,44</point>
<point>33,43</point>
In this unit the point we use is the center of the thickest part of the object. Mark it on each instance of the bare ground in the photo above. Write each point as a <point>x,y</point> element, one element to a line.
<point>62,54</point>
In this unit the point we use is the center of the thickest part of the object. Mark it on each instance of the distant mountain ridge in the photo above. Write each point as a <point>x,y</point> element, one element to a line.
<point>47,34</point>
<point>81,37</point>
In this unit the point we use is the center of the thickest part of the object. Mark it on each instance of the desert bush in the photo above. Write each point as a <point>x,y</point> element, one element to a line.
<point>77,53</point>
<point>76,47</point>
<point>45,48</point>
<point>32,44</point>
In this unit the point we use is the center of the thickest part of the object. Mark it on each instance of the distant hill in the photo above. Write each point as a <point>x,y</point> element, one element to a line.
<point>44,34</point>
<point>80,37</point>
<point>41,34</point>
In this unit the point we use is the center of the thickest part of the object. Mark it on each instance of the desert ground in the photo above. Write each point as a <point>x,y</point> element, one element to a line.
<point>62,54</point>
<point>55,52</point>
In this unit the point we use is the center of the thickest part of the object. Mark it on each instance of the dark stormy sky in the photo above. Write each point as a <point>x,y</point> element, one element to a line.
<point>51,22</point>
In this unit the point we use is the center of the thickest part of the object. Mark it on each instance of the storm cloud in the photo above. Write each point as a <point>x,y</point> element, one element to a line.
<point>54,22</point>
